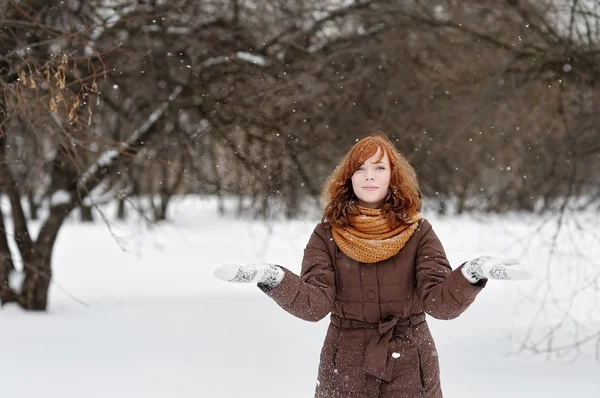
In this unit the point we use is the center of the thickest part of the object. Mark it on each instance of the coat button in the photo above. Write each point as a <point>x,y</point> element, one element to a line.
<point>371,295</point>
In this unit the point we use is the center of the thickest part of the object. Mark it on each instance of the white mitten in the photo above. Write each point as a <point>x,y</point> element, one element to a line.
<point>263,273</point>
<point>485,267</point>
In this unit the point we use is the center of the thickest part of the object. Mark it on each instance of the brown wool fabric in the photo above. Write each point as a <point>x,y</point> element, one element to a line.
<point>369,239</point>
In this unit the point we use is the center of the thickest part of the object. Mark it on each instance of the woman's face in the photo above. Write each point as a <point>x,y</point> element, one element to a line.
<point>371,181</point>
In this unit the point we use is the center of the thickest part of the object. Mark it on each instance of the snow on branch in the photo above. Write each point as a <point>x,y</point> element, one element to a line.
<point>60,197</point>
<point>104,193</point>
<point>252,58</point>
<point>93,175</point>
<point>240,55</point>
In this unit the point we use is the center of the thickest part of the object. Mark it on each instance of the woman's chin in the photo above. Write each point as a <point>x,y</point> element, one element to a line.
<point>372,204</point>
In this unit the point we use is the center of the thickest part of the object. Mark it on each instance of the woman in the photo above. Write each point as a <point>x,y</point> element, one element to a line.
<point>377,267</point>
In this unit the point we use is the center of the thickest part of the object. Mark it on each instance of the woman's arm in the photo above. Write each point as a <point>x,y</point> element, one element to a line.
<point>309,296</point>
<point>444,293</point>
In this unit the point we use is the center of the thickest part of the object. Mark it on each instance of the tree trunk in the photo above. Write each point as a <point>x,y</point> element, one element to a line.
<point>240,208</point>
<point>33,207</point>
<point>263,207</point>
<point>160,206</point>
<point>164,194</point>
<point>292,202</point>
<point>122,201</point>
<point>219,185</point>
<point>154,206</point>
<point>164,204</point>
<point>121,213</point>
<point>166,190</point>
<point>34,291</point>
<point>7,187</point>
<point>37,265</point>
<point>85,213</point>
<point>6,266</point>
<point>221,204</point>
<point>443,208</point>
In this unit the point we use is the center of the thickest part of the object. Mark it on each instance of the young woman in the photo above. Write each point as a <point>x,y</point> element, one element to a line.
<point>377,266</point>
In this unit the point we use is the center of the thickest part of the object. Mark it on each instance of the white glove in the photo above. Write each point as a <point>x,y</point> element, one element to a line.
<point>485,267</point>
<point>263,273</point>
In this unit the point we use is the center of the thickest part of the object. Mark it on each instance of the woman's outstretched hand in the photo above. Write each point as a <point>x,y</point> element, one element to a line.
<point>262,273</point>
<point>485,267</point>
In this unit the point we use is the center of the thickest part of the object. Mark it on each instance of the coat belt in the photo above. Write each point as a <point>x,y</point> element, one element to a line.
<point>376,361</point>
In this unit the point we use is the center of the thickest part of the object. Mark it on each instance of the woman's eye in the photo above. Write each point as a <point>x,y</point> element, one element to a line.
<point>380,168</point>
<point>360,169</point>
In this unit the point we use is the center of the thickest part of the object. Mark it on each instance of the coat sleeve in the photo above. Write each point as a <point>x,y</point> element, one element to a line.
<point>309,296</point>
<point>444,293</point>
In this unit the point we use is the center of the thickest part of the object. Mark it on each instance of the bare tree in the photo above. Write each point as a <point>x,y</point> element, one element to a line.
<point>495,103</point>
<point>55,100</point>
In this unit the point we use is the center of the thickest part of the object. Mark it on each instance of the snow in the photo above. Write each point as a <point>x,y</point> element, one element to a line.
<point>241,55</point>
<point>252,58</point>
<point>60,197</point>
<point>136,311</point>
<point>107,158</point>
<point>15,279</point>
<point>101,193</point>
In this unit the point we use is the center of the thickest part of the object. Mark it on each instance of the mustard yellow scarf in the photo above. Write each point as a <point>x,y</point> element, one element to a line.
<point>369,239</point>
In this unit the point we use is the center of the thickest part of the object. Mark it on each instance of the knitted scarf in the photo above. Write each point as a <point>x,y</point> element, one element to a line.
<point>369,239</point>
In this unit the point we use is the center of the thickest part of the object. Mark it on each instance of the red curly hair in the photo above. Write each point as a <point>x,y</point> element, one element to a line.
<point>403,199</point>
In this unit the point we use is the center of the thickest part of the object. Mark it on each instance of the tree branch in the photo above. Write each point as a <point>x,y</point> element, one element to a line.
<point>95,173</point>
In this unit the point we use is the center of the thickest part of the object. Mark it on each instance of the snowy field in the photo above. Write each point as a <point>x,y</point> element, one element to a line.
<point>137,313</point>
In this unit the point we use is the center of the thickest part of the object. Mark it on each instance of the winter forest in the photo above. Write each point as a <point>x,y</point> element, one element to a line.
<point>144,142</point>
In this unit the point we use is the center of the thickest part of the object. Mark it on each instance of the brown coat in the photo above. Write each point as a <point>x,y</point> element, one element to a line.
<point>378,343</point>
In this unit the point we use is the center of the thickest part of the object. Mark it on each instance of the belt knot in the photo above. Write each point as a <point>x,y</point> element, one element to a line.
<point>376,359</point>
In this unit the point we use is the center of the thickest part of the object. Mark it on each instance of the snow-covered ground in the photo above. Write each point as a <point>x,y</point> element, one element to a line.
<point>137,313</point>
